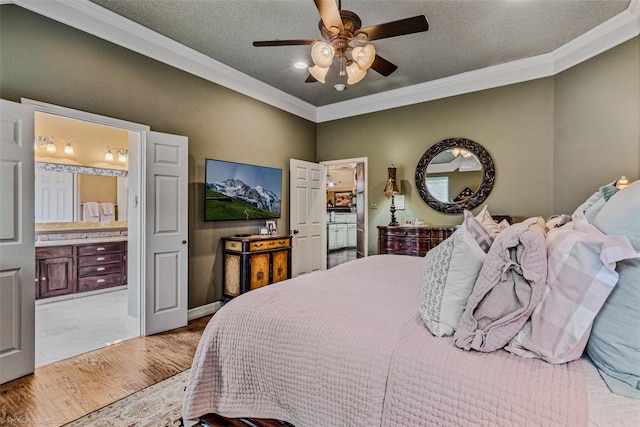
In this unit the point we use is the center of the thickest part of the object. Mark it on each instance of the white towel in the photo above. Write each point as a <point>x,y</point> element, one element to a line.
<point>107,212</point>
<point>91,211</point>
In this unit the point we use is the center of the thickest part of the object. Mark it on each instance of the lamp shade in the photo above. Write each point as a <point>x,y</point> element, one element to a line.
<point>322,54</point>
<point>354,73</point>
<point>622,183</point>
<point>318,73</point>
<point>392,183</point>
<point>364,56</point>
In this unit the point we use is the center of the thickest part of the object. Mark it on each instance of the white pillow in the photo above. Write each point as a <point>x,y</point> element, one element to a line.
<point>449,274</point>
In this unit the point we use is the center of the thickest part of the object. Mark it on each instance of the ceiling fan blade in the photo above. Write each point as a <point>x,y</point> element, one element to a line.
<point>283,43</point>
<point>330,15</point>
<point>383,66</point>
<point>311,79</point>
<point>416,24</point>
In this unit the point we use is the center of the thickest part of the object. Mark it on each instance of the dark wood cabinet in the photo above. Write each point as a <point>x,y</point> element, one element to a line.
<point>251,262</point>
<point>414,241</point>
<point>63,270</point>
<point>100,266</point>
<point>55,271</point>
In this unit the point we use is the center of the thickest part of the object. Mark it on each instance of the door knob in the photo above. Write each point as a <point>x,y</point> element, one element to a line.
<point>294,231</point>
<point>184,242</point>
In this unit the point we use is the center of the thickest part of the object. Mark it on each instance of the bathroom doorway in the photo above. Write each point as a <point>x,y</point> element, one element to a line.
<point>346,211</point>
<point>82,296</point>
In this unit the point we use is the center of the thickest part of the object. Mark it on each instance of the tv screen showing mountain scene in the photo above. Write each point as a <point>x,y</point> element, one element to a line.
<point>238,191</point>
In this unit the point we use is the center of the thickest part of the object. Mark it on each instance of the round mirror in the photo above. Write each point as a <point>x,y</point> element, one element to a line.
<point>455,174</point>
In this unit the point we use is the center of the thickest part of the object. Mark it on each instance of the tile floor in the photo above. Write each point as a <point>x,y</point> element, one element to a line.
<point>339,256</point>
<point>75,326</point>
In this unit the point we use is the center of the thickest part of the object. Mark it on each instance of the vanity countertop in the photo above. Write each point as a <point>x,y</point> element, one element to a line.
<point>80,227</point>
<point>78,233</point>
<point>88,240</point>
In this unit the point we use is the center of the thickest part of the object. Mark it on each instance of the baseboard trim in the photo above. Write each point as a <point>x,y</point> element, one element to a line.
<point>203,310</point>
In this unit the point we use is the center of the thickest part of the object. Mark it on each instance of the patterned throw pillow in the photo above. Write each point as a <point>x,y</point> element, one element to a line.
<point>581,274</point>
<point>482,233</point>
<point>449,274</point>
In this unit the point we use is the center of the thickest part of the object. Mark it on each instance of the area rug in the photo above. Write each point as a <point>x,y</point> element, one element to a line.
<point>157,405</point>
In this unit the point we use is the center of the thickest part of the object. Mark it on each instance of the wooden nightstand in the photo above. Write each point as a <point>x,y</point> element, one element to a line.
<point>414,241</point>
<point>251,262</point>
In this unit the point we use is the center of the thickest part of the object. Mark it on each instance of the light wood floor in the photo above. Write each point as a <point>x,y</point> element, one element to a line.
<point>64,391</point>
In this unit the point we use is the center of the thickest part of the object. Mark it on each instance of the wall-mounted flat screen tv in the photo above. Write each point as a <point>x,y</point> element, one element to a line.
<point>238,191</point>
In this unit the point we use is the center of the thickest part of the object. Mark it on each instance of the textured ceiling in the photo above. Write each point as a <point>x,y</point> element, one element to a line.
<point>464,35</point>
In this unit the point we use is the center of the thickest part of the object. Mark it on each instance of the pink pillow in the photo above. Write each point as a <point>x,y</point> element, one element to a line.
<point>581,274</point>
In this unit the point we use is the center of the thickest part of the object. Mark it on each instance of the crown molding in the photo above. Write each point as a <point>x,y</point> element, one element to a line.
<point>607,35</point>
<point>96,20</point>
<point>100,22</point>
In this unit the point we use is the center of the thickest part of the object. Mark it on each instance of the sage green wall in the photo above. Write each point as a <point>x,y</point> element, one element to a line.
<point>554,141</point>
<point>47,61</point>
<point>597,124</point>
<point>513,123</point>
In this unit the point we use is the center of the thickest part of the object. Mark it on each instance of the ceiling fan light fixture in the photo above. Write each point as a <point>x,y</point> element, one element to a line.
<point>318,73</point>
<point>355,73</point>
<point>322,54</point>
<point>364,56</point>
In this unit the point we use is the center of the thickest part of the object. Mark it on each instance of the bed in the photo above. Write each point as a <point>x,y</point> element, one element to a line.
<point>349,346</point>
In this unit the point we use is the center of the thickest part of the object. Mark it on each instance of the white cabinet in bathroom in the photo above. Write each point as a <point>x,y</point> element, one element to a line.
<point>352,235</point>
<point>336,236</point>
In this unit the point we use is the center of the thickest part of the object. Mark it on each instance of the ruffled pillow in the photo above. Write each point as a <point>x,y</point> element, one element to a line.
<point>509,287</point>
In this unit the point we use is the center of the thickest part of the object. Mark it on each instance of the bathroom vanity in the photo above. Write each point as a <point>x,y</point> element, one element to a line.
<point>72,258</point>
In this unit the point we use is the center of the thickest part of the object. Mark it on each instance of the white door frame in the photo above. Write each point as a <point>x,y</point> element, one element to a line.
<point>364,160</point>
<point>137,145</point>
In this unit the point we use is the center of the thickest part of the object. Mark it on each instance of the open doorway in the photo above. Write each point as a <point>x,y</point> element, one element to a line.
<point>81,228</point>
<point>346,210</point>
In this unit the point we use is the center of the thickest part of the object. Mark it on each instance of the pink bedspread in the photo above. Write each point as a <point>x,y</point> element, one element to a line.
<point>347,347</point>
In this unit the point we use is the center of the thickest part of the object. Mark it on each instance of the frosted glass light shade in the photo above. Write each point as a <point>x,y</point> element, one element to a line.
<point>354,73</point>
<point>322,54</point>
<point>51,147</point>
<point>318,73</point>
<point>364,56</point>
<point>68,148</point>
<point>108,155</point>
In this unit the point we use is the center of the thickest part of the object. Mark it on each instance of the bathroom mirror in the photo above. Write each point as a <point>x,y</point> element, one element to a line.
<point>60,191</point>
<point>455,174</point>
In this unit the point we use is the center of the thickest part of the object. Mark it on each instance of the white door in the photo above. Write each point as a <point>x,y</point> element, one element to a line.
<point>307,194</point>
<point>54,196</point>
<point>17,236</point>
<point>166,250</point>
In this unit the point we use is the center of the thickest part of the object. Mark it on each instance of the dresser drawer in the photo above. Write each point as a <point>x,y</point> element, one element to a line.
<point>269,244</point>
<point>402,232</point>
<point>100,248</point>
<point>415,241</point>
<point>84,261</point>
<point>54,252</point>
<point>94,270</point>
<point>403,247</point>
<point>99,282</point>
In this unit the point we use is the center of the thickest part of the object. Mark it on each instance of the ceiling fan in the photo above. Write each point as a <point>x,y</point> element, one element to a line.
<point>345,41</point>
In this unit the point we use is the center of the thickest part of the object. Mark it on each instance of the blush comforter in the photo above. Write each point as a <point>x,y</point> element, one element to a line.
<point>348,347</point>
